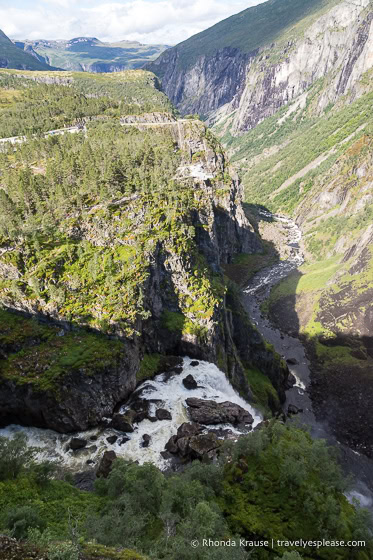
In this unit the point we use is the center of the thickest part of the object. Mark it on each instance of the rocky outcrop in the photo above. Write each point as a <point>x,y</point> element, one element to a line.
<point>189,443</point>
<point>220,333</point>
<point>210,412</point>
<point>78,401</point>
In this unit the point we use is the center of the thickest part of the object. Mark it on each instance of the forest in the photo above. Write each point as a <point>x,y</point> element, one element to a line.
<point>254,491</point>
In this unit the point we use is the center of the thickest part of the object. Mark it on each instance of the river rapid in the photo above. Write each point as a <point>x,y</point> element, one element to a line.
<point>164,391</point>
<point>291,348</point>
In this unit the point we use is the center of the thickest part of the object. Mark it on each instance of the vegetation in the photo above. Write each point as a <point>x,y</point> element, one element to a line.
<point>40,354</point>
<point>149,366</point>
<point>49,101</point>
<point>254,492</point>
<point>307,138</point>
<point>57,194</point>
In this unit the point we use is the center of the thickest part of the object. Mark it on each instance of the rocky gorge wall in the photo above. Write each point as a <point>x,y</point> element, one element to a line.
<point>81,380</point>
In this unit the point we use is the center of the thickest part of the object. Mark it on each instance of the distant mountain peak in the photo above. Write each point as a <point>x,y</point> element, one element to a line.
<point>13,56</point>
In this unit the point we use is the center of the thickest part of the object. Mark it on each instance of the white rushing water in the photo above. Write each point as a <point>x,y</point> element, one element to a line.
<point>170,394</point>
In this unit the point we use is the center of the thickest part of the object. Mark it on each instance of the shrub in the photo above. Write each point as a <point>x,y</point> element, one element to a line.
<point>15,456</point>
<point>20,519</point>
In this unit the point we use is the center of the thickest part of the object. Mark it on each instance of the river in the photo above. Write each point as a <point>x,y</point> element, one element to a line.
<point>164,391</point>
<point>291,348</point>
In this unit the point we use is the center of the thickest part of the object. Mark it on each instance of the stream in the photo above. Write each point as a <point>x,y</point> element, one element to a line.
<point>291,348</point>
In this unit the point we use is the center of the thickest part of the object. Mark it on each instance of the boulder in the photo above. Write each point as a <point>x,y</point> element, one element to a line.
<point>292,361</point>
<point>111,439</point>
<point>202,445</point>
<point>194,363</point>
<point>77,443</point>
<point>182,446</point>
<point>139,410</point>
<point>293,409</point>
<point>122,423</point>
<point>171,445</point>
<point>189,382</point>
<point>163,414</point>
<point>188,429</point>
<point>210,412</point>
<point>124,440</point>
<point>189,443</point>
<point>290,382</point>
<point>145,440</point>
<point>106,464</point>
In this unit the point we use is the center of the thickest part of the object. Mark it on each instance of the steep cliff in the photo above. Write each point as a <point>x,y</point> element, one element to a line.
<point>248,66</point>
<point>128,245</point>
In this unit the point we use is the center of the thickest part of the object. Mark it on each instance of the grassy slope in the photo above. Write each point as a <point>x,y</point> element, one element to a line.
<point>318,169</point>
<point>248,30</point>
<point>14,57</point>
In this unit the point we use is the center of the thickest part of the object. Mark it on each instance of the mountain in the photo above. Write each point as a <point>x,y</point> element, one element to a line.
<point>209,70</point>
<point>13,57</point>
<point>88,54</point>
<point>288,88</point>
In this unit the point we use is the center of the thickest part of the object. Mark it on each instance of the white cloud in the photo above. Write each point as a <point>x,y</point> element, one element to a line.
<point>148,21</point>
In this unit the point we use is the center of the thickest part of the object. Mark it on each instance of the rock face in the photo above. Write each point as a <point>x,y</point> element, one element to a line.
<point>82,398</point>
<point>79,402</point>
<point>211,412</point>
<point>252,83</point>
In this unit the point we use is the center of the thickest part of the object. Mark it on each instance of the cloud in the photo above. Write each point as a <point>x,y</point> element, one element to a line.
<point>148,21</point>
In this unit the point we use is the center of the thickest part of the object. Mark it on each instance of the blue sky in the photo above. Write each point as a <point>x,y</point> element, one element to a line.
<point>148,21</point>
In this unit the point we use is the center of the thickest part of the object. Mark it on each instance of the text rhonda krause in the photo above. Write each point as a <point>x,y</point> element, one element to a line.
<point>287,544</point>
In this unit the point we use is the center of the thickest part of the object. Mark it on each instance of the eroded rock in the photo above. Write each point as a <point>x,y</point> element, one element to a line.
<point>189,382</point>
<point>106,464</point>
<point>77,443</point>
<point>210,412</point>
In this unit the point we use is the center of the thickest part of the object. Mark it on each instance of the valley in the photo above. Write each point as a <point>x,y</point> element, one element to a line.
<point>186,284</point>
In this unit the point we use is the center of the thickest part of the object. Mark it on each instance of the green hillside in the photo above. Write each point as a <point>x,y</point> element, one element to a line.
<point>248,30</point>
<point>13,57</point>
<point>29,106</point>
<point>90,54</point>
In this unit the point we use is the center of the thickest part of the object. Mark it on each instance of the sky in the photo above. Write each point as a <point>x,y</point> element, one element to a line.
<point>148,21</point>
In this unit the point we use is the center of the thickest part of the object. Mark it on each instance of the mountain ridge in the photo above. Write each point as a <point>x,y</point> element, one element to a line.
<point>89,54</point>
<point>13,57</point>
